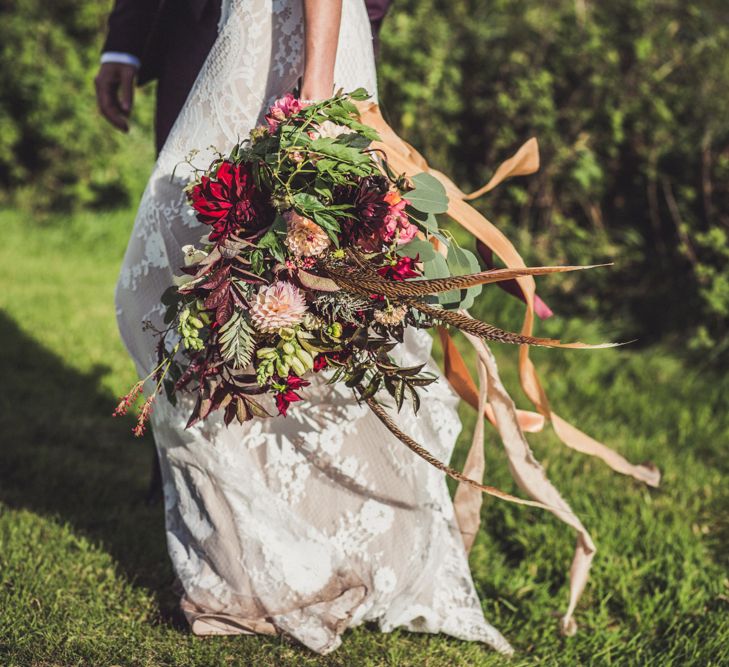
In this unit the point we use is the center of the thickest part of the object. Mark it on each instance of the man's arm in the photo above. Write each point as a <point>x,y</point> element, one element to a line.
<point>130,24</point>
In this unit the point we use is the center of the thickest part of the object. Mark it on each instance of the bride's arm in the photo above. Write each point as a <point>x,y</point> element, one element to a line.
<point>321,23</point>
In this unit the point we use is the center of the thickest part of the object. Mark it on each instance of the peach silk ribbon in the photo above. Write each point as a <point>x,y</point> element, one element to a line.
<point>491,398</point>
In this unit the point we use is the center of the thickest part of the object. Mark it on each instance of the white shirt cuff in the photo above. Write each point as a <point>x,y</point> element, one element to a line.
<point>121,58</point>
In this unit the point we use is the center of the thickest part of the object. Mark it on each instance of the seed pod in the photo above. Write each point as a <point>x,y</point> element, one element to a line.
<point>287,333</point>
<point>305,358</point>
<point>266,352</point>
<point>288,348</point>
<point>297,366</point>
<point>282,367</point>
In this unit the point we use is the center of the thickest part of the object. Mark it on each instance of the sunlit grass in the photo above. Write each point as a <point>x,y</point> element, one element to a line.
<point>84,575</point>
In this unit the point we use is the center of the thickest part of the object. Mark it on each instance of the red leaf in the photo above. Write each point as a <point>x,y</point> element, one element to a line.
<point>217,278</point>
<point>195,416</point>
<point>218,296</point>
<point>224,311</point>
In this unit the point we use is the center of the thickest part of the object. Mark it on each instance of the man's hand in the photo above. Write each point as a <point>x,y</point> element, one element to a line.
<point>115,93</point>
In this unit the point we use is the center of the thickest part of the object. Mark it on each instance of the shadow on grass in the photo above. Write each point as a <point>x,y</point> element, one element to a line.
<point>63,456</point>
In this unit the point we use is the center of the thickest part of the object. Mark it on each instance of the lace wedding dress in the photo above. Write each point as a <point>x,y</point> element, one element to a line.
<point>313,523</point>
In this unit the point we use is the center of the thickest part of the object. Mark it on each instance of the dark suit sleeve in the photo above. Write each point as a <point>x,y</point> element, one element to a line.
<point>130,25</point>
<point>376,9</point>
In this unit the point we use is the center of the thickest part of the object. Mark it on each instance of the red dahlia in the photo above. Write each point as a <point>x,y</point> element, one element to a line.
<point>229,201</point>
<point>370,208</point>
<point>402,269</point>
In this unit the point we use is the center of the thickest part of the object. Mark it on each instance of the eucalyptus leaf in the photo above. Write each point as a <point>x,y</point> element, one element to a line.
<point>427,221</point>
<point>438,268</point>
<point>429,195</point>
<point>462,262</point>
<point>419,248</point>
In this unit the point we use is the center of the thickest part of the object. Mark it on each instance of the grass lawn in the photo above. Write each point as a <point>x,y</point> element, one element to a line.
<point>84,574</point>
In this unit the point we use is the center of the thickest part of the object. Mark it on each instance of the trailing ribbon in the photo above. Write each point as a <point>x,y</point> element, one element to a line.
<point>529,475</point>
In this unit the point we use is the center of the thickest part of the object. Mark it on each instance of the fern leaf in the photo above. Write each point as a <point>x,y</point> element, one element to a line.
<point>236,340</point>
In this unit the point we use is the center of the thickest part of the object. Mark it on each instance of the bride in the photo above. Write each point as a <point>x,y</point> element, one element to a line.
<point>320,521</point>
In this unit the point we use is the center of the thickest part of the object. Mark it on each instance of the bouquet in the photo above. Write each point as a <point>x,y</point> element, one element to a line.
<point>318,257</point>
<point>322,247</point>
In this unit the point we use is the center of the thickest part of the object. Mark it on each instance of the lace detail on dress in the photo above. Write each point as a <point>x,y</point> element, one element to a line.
<point>319,521</point>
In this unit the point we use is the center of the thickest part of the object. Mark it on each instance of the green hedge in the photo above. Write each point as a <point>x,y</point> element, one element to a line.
<point>627,99</point>
<point>55,151</point>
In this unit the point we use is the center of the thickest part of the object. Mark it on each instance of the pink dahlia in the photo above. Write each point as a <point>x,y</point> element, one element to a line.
<point>282,108</point>
<point>304,237</point>
<point>277,306</point>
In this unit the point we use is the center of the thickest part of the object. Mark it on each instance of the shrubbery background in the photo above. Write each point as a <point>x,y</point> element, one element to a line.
<point>627,99</point>
<point>56,154</point>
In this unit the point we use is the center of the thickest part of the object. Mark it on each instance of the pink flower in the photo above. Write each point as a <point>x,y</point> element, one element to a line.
<point>397,222</point>
<point>277,306</point>
<point>144,416</point>
<point>304,237</point>
<point>282,108</point>
<point>125,402</point>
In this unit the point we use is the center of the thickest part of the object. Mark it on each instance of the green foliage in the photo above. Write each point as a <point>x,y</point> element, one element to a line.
<point>55,150</point>
<point>627,100</point>
<point>236,341</point>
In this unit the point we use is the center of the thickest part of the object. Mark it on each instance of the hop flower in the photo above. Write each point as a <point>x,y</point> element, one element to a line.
<point>277,306</point>
<point>305,238</point>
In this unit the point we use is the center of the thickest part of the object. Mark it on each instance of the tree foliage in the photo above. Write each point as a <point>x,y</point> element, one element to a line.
<point>55,151</point>
<point>626,99</point>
